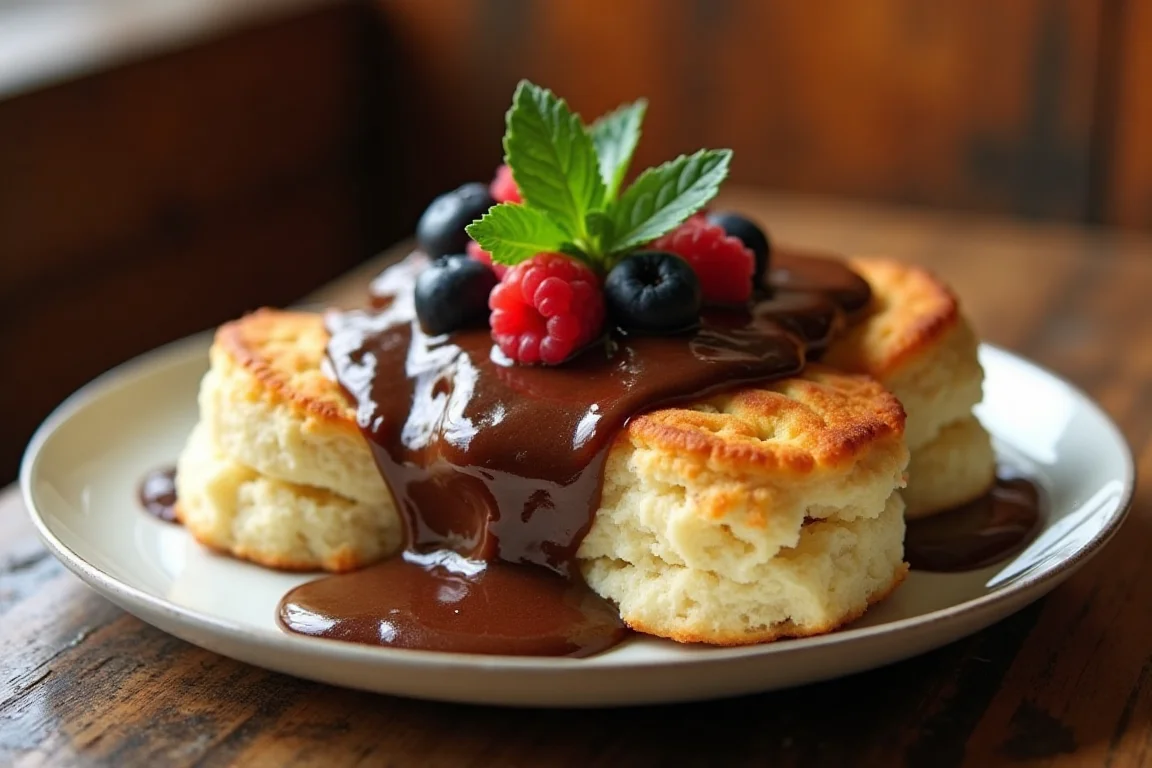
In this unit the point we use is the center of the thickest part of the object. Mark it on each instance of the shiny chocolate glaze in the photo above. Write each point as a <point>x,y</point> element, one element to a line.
<point>157,493</point>
<point>501,465</point>
<point>980,533</point>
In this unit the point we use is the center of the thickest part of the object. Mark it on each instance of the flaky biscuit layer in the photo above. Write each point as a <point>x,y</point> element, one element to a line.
<point>957,467</point>
<point>233,508</point>
<point>836,569</point>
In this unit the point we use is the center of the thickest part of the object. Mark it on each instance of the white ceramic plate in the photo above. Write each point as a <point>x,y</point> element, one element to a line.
<point>81,472</point>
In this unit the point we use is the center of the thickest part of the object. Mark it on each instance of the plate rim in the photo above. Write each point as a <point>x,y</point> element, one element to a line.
<point>178,352</point>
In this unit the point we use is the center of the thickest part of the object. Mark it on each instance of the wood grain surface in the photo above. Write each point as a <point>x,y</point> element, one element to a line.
<point>1067,681</point>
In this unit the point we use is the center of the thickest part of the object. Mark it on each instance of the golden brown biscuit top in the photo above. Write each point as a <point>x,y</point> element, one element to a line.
<point>283,352</point>
<point>911,311</point>
<point>819,419</point>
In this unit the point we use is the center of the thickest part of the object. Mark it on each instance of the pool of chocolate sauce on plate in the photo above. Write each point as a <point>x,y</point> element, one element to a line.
<point>998,524</point>
<point>157,493</point>
<point>441,601</point>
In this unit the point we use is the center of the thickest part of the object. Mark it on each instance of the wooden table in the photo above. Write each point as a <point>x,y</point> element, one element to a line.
<point>1067,681</point>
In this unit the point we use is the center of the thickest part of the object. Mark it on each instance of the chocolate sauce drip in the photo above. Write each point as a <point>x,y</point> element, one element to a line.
<point>985,531</point>
<point>157,493</point>
<point>501,465</point>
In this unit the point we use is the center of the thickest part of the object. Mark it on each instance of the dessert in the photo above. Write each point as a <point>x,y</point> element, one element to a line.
<point>582,407</point>
<point>723,505</point>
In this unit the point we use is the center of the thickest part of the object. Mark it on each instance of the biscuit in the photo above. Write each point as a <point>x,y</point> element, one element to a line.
<point>916,342</point>
<point>232,508</point>
<point>958,466</point>
<point>913,340</point>
<point>267,403</point>
<point>714,518</point>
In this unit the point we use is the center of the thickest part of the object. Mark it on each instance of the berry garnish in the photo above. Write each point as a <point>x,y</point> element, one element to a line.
<point>476,252</point>
<point>503,187</point>
<point>653,291</point>
<point>452,293</point>
<point>723,264</point>
<point>748,233</point>
<point>545,309</point>
<point>441,227</point>
<point>564,207</point>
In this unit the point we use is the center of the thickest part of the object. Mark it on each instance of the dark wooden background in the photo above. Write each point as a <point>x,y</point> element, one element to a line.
<point>163,195</point>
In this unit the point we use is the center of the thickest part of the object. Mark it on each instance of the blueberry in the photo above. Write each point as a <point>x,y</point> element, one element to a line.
<point>653,291</point>
<point>441,227</point>
<point>452,293</point>
<point>748,233</point>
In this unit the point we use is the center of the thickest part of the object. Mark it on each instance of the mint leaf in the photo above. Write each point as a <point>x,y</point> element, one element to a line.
<point>552,158</point>
<point>615,136</point>
<point>665,196</point>
<point>513,233</point>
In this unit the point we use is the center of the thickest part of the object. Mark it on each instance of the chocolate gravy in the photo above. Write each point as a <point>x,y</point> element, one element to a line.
<point>498,461</point>
<point>157,493</point>
<point>980,533</point>
<point>496,468</point>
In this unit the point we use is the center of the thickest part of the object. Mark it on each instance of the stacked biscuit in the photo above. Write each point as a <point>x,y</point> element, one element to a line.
<point>276,472</point>
<point>768,512</point>
<point>915,341</point>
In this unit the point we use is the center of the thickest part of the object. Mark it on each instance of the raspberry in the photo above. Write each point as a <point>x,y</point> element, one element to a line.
<point>723,263</point>
<point>545,309</point>
<point>479,254</point>
<point>503,188</point>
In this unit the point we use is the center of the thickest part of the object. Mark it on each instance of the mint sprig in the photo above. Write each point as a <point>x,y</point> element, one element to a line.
<point>569,176</point>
